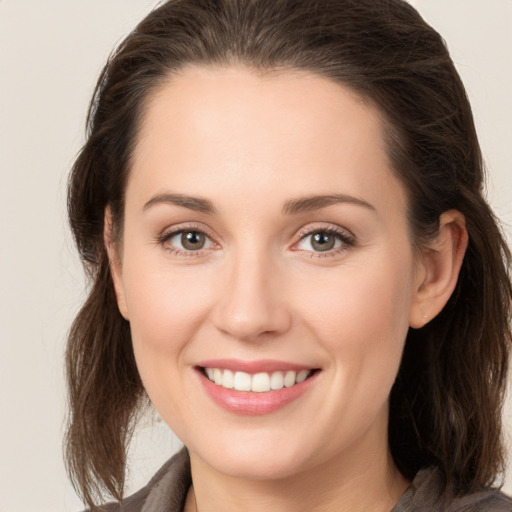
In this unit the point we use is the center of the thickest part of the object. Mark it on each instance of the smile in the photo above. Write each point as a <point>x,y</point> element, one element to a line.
<point>255,387</point>
<point>259,382</point>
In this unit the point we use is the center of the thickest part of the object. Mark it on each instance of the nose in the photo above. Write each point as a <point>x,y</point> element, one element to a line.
<point>252,302</point>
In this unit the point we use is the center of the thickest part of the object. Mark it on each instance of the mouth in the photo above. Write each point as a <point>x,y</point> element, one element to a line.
<point>261,382</point>
<point>255,387</point>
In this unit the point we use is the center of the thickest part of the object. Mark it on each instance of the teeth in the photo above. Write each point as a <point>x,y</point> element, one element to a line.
<point>259,382</point>
<point>289,379</point>
<point>242,381</point>
<point>228,379</point>
<point>276,380</point>
<point>302,376</point>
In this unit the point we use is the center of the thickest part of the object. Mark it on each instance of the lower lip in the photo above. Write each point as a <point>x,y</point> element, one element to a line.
<point>250,403</point>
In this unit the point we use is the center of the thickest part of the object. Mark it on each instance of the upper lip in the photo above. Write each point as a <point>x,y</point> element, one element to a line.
<point>252,367</point>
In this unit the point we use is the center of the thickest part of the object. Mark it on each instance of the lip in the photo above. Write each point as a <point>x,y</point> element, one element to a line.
<point>252,367</point>
<point>249,403</point>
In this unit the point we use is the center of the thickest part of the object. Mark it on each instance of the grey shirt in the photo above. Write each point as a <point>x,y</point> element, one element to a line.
<point>167,492</point>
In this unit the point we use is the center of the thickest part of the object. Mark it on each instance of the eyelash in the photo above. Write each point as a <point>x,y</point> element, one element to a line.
<point>347,240</point>
<point>164,238</point>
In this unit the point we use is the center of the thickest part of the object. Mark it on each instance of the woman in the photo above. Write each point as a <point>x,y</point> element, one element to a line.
<point>280,207</point>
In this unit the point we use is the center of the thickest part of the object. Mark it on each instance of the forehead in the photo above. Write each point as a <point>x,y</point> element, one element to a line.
<point>205,127</point>
<point>293,103</point>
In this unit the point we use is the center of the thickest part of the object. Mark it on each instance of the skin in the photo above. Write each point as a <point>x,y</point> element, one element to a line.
<point>249,144</point>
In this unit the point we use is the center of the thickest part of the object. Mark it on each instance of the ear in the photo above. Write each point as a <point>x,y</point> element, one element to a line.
<point>438,268</point>
<point>114,257</point>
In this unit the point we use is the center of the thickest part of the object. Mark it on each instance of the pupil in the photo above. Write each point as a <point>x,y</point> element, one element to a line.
<point>192,240</point>
<point>322,242</point>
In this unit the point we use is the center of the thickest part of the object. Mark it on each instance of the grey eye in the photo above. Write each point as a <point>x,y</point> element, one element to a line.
<point>189,240</point>
<point>320,241</point>
<point>192,240</point>
<point>323,241</point>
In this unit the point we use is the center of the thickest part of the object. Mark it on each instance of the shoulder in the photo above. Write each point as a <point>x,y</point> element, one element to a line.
<point>167,490</point>
<point>490,500</point>
<point>428,492</point>
<point>486,501</point>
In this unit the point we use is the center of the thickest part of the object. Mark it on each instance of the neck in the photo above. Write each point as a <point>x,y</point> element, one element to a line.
<point>356,481</point>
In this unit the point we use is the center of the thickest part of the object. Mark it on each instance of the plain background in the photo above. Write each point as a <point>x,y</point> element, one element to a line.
<point>50,55</point>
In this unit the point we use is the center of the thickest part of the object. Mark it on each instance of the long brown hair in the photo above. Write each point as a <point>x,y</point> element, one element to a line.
<point>446,402</point>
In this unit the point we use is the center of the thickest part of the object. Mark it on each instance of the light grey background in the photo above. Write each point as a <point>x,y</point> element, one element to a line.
<point>51,52</point>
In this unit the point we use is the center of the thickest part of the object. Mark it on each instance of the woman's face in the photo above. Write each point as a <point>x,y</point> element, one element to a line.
<point>265,242</point>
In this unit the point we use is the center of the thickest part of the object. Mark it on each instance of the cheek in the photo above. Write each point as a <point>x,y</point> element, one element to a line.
<point>360,315</point>
<point>165,310</point>
<point>163,306</point>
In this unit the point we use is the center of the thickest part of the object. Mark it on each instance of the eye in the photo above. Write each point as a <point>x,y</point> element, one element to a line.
<point>324,240</point>
<point>187,240</point>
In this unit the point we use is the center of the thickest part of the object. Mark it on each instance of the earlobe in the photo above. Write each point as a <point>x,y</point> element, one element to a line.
<point>114,262</point>
<point>440,266</point>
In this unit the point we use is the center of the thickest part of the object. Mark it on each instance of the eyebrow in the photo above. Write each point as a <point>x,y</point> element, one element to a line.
<point>291,207</point>
<point>310,203</point>
<point>197,204</point>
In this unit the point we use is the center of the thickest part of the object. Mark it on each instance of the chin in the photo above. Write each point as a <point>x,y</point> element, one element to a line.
<point>269,467</point>
<point>254,461</point>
